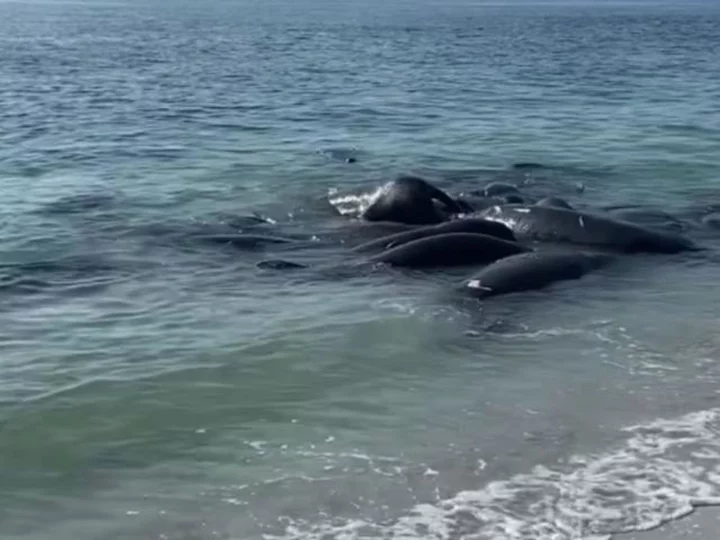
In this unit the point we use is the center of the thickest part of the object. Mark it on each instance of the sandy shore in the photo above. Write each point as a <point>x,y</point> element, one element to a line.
<point>703,524</point>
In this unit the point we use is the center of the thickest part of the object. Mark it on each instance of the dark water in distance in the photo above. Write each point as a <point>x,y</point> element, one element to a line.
<point>155,386</point>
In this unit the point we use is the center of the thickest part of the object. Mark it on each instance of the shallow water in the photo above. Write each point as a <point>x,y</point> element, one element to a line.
<point>156,385</point>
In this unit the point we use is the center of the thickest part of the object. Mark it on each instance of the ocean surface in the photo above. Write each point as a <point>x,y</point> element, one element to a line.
<point>155,383</point>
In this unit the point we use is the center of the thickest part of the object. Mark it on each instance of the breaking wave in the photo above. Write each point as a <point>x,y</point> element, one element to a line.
<point>663,471</point>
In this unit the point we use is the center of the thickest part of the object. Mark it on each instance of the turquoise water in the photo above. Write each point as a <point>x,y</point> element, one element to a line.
<point>157,386</point>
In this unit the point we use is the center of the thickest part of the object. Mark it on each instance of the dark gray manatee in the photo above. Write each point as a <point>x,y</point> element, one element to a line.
<point>475,201</point>
<point>513,198</point>
<point>355,232</point>
<point>450,249</point>
<point>410,199</point>
<point>554,202</point>
<point>534,270</point>
<point>525,165</point>
<point>465,206</point>
<point>563,225</point>
<point>494,193</point>
<point>468,225</point>
<point>279,264</point>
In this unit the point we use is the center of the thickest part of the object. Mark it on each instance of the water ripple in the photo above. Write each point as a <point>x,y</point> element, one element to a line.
<point>144,348</point>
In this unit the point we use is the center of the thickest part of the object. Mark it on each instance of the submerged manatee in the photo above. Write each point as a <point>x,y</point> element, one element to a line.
<point>80,203</point>
<point>535,270</point>
<point>348,155</point>
<point>496,189</point>
<point>279,264</point>
<point>514,199</point>
<point>563,225</point>
<point>449,249</point>
<point>712,220</point>
<point>244,241</point>
<point>524,165</point>
<point>554,202</point>
<point>468,225</point>
<point>649,217</point>
<point>410,199</point>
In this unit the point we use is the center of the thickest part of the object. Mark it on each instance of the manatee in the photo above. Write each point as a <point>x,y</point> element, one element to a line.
<point>649,217</point>
<point>245,241</point>
<point>279,264</point>
<point>476,201</point>
<point>533,270</point>
<point>712,220</point>
<point>554,202</point>
<point>496,189</point>
<point>469,225</point>
<point>449,249</point>
<point>80,203</point>
<point>570,226</point>
<point>410,199</point>
<point>465,206</point>
<point>527,165</point>
<point>514,199</point>
<point>255,219</point>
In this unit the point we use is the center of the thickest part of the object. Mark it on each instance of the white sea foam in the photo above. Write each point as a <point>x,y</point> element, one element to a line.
<point>352,204</point>
<point>662,472</point>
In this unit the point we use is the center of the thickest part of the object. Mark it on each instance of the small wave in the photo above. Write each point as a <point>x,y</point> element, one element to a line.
<point>347,155</point>
<point>352,204</point>
<point>663,472</point>
<point>71,273</point>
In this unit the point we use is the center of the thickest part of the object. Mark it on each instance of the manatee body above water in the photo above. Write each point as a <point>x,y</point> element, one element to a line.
<point>475,201</point>
<point>533,270</point>
<point>564,225</point>
<point>410,199</point>
<point>467,225</point>
<point>450,249</point>
<point>423,227</point>
<point>465,206</point>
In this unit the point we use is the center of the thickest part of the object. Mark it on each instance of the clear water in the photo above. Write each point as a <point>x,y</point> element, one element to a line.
<point>154,386</point>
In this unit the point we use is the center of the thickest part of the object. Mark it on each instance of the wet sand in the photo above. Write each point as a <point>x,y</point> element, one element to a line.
<point>703,524</point>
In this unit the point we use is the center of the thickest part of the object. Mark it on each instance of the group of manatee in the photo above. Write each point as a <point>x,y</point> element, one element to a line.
<point>512,244</point>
